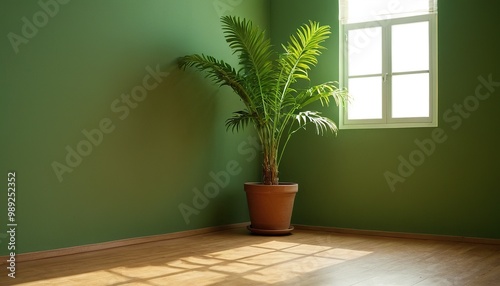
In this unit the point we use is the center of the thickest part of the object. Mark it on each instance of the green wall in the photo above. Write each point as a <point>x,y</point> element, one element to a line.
<point>73,62</point>
<point>454,190</point>
<point>154,150</point>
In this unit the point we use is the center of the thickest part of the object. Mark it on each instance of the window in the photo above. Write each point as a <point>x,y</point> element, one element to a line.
<point>389,63</point>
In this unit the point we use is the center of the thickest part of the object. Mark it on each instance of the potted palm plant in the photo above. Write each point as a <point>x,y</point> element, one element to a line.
<point>267,82</point>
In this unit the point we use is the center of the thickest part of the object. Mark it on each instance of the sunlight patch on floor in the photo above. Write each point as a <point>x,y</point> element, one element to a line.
<point>145,272</point>
<point>265,263</point>
<point>238,253</point>
<point>198,278</point>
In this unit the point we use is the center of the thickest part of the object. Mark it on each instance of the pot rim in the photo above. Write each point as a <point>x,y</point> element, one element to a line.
<point>263,185</point>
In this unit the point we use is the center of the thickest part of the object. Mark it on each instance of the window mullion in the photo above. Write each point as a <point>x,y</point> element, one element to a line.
<point>343,70</point>
<point>433,104</point>
<point>387,72</point>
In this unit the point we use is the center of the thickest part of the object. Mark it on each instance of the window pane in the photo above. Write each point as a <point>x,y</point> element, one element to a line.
<point>410,95</point>
<point>365,98</point>
<point>365,51</point>
<point>410,47</point>
<point>355,11</point>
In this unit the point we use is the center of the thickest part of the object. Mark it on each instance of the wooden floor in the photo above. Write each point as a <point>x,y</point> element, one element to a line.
<point>234,257</point>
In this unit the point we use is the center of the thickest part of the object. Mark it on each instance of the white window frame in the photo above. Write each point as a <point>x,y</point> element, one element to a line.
<point>387,121</point>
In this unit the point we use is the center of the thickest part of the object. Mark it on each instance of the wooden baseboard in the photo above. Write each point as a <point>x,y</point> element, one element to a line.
<point>401,234</point>
<point>117,243</point>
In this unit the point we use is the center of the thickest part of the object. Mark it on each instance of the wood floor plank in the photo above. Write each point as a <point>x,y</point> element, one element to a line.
<point>307,257</point>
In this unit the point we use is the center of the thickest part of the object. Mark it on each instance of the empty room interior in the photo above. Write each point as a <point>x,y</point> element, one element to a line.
<point>141,140</point>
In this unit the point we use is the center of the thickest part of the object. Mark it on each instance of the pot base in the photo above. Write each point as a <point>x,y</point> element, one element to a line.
<point>270,231</point>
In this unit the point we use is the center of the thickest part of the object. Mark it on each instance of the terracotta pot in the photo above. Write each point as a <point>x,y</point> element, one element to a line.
<point>270,207</point>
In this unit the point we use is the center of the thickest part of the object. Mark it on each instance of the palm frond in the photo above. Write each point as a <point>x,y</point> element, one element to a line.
<point>322,92</point>
<point>253,47</point>
<point>255,56</point>
<point>323,124</point>
<point>301,53</point>
<point>239,120</point>
<point>219,72</point>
